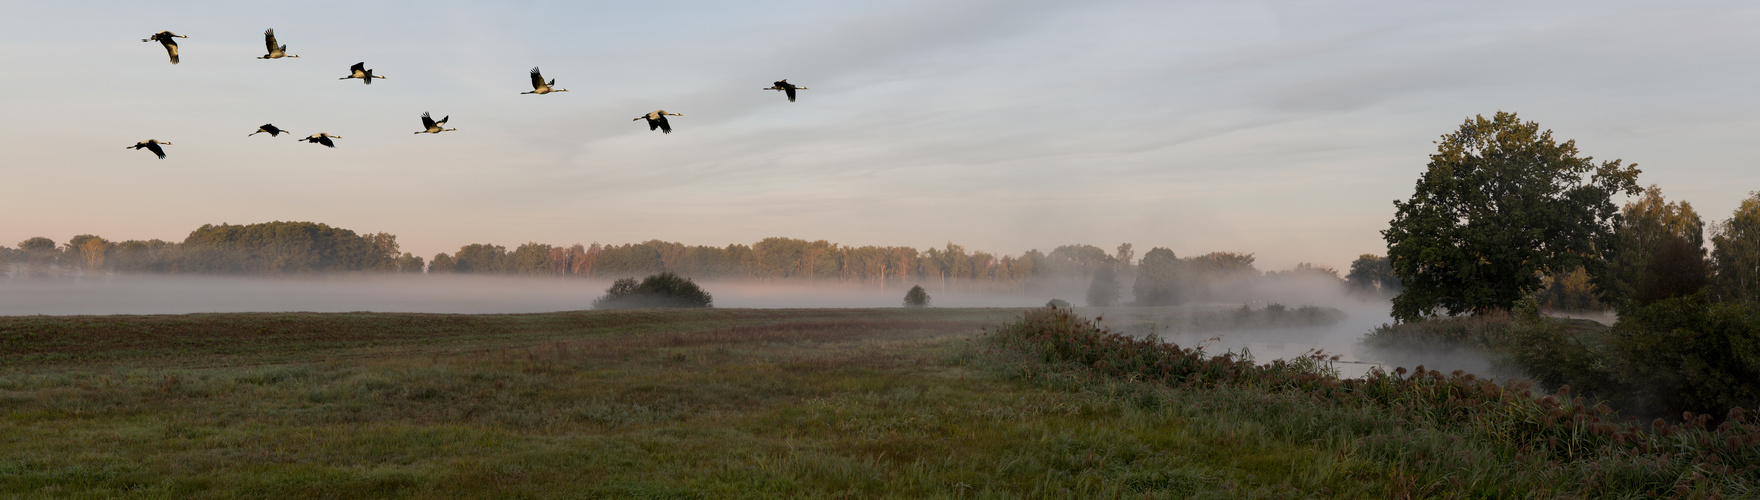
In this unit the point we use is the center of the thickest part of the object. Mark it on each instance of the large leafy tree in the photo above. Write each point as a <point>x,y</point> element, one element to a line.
<point>1500,205</point>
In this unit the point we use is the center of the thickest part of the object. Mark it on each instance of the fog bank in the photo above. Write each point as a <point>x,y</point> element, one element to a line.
<point>152,294</point>
<point>477,294</point>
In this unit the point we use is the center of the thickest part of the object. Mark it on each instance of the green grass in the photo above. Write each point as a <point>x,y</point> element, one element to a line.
<point>666,404</point>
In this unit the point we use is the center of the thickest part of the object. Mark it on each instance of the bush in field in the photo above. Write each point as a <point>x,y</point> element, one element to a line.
<point>660,290</point>
<point>1055,303</point>
<point>1482,331</point>
<point>916,297</point>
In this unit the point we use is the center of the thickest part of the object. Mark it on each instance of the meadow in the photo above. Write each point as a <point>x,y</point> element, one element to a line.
<point>731,403</point>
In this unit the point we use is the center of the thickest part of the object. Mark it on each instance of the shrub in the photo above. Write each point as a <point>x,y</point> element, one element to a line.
<point>1688,353</point>
<point>1679,354</point>
<point>1058,303</point>
<point>661,290</point>
<point>916,297</point>
<point>1545,437</point>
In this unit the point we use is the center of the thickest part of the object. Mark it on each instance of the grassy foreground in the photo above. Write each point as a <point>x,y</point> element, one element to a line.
<point>689,404</point>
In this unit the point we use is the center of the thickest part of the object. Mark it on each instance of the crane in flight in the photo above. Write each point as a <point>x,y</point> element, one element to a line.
<point>539,86</point>
<point>322,138</point>
<point>151,145</point>
<point>168,39</point>
<point>359,70</point>
<point>657,120</point>
<point>269,128</point>
<point>275,51</point>
<point>434,127</point>
<point>786,88</point>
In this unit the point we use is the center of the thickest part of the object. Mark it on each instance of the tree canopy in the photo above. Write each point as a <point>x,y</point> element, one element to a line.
<point>1103,290</point>
<point>1500,204</point>
<point>1372,273</point>
<point>280,248</point>
<point>1161,279</point>
<point>1736,249</point>
<point>1647,225</point>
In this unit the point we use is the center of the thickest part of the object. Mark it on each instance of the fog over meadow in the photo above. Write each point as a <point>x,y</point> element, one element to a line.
<point>468,294</point>
<point>465,294</point>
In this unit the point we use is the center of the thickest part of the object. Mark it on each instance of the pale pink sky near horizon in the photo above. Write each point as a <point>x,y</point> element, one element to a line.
<point>1280,128</point>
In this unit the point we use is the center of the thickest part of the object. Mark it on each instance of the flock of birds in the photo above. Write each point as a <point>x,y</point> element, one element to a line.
<point>656,119</point>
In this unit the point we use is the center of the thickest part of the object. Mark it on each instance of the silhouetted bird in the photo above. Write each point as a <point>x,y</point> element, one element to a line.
<point>433,127</point>
<point>166,38</point>
<point>268,128</point>
<point>359,70</point>
<point>539,86</point>
<point>787,88</point>
<point>275,51</point>
<point>657,120</point>
<point>322,138</point>
<point>151,145</point>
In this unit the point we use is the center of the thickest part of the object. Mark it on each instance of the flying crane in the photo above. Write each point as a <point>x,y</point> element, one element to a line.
<point>434,127</point>
<point>268,128</point>
<point>275,51</point>
<point>786,88</point>
<point>322,138</point>
<point>359,70</point>
<point>150,145</point>
<point>657,120</point>
<point>167,38</point>
<point>539,86</point>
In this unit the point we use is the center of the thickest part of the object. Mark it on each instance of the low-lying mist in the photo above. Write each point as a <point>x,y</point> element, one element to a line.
<point>157,294</point>
<point>477,294</point>
<point>1361,313</point>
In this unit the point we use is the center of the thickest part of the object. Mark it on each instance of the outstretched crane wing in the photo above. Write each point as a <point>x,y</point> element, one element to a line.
<point>664,126</point>
<point>359,67</point>
<point>537,79</point>
<point>269,38</point>
<point>427,121</point>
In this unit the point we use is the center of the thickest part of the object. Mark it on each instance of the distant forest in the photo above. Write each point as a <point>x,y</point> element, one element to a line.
<point>295,248</point>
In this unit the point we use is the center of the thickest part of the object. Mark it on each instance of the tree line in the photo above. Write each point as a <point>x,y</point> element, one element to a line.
<point>291,248</point>
<point>272,248</point>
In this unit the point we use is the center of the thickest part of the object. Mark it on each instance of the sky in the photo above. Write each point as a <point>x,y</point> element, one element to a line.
<point>1285,129</point>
